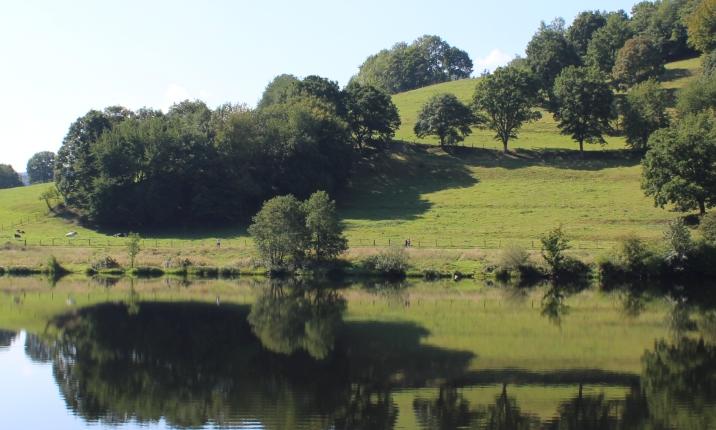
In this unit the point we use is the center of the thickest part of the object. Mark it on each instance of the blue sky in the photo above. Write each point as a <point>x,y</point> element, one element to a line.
<point>60,59</point>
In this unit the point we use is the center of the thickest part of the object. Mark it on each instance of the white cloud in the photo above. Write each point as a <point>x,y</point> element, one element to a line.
<point>491,61</point>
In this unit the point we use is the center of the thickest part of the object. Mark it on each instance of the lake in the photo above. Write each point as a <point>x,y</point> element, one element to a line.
<point>257,354</point>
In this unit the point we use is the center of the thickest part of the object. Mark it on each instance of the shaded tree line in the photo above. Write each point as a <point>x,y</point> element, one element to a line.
<point>193,165</point>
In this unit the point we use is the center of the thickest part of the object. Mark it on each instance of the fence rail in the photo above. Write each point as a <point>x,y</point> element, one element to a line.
<point>109,242</point>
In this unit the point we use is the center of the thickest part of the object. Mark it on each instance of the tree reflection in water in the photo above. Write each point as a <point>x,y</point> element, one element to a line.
<point>290,361</point>
<point>6,338</point>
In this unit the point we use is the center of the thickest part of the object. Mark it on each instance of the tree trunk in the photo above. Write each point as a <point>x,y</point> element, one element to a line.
<point>442,141</point>
<point>702,207</point>
<point>581,147</point>
<point>504,146</point>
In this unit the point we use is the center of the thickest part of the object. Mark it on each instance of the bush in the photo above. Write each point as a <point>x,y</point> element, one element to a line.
<point>54,267</point>
<point>554,244</point>
<point>105,263</point>
<point>708,227</point>
<point>431,274</point>
<point>572,271</point>
<point>204,272</point>
<point>392,263</point>
<point>22,271</point>
<point>678,242</point>
<point>229,272</point>
<point>513,256</point>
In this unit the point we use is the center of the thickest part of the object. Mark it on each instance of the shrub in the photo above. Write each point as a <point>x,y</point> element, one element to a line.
<point>2,270</point>
<point>431,274</point>
<point>22,271</point>
<point>678,242</point>
<point>392,262</point>
<point>554,244</point>
<point>54,267</point>
<point>513,256</point>
<point>229,272</point>
<point>572,271</point>
<point>708,227</point>
<point>204,272</point>
<point>105,263</point>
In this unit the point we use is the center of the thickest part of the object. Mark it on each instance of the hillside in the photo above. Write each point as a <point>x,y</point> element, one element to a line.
<point>466,197</point>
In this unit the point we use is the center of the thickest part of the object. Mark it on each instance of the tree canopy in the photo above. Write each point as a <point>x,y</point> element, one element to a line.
<point>41,167</point>
<point>582,29</point>
<point>679,166</point>
<point>427,60</point>
<point>702,26</point>
<point>549,51</point>
<point>371,114</point>
<point>505,101</point>
<point>639,59</point>
<point>644,112</point>
<point>8,177</point>
<point>607,41</point>
<point>584,102</point>
<point>446,117</point>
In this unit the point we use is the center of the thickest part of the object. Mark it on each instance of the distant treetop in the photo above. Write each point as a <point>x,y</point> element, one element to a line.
<point>427,60</point>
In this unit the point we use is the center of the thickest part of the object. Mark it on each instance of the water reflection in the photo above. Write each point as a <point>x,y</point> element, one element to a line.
<point>6,338</point>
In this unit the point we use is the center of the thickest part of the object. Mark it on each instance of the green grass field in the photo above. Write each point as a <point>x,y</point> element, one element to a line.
<point>467,197</point>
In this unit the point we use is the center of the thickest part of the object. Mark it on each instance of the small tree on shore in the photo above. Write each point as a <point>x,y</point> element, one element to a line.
<point>133,247</point>
<point>325,232</point>
<point>279,231</point>
<point>554,244</point>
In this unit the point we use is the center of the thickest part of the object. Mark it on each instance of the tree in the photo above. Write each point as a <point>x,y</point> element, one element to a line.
<point>505,100</point>
<point>444,116</point>
<point>133,247</point>
<point>679,166</point>
<point>326,239</point>
<point>663,22</point>
<point>49,196</point>
<point>279,231</point>
<point>548,52</point>
<point>584,105</point>
<point>427,60</point>
<point>279,90</point>
<point>701,25</point>
<point>371,114</point>
<point>606,42</point>
<point>708,227</point>
<point>697,95</point>
<point>639,59</point>
<point>583,28</point>
<point>41,167</point>
<point>644,112</point>
<point>554,244</point>
<point>8,177</point>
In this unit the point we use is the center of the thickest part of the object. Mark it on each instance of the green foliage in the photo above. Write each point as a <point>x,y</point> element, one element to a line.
<point>8,177</point>
<point>41,167</point>
<point>583,28</point>
<point>698,95</point>
<point>634,255</point>
<point>554,245</point>
<point>663,21</point>
<point>325,231</point>
<point>392,262</point>
<point>584,105</point>
<point>278,91</point>
<point>702,26</point>
<point>280,233</point>
<point>444,116</point>
<point>54,268</point>
<point>504,100</point>
<point>639,59</point>
<point>708,63</point>
<point>644,112</point>
<point>105,263</point>
<point>678,240</point>
<point>133,247</point>
<point>371,114</point>
<point>607,41</point>
<point>428,60</point>
<point>678,168</point>
<point>548,52</point>
<point>708,227</point>
<point>50,196</point>
<point>194,166</point>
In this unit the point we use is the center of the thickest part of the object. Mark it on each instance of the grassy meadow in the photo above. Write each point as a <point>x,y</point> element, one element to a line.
<point>470,199</point>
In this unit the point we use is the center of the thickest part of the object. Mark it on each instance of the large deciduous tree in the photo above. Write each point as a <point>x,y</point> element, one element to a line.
<point>326,240</point>
<point>41,167</point>
<point>504,100</point>
<point>639,59</point>
<point>446,117</point>
<point>583,28</point>
<point>549,51</point>
<point>607,41</point>
<point>8,177</point>
<point>371,114</point>
<point>644,112</point>
<point>279,231</point>
<point>679,167</point>
<point>701,24</point>
<point>697,95</point>
<point>584,105</point>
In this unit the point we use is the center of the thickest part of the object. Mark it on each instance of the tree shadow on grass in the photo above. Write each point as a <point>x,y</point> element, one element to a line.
<point>390,184</point>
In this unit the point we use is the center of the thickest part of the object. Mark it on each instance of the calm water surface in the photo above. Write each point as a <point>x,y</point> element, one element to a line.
<point>256,354</point>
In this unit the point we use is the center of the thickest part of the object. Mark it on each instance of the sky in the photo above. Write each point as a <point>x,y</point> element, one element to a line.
<point>58,59</point>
